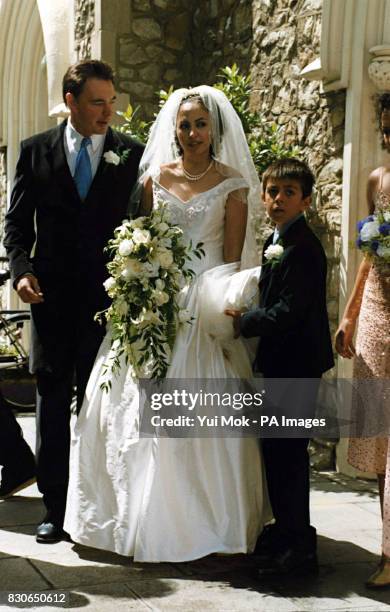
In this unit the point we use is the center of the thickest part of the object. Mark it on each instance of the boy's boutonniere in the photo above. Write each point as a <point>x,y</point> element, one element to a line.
<point>110,157</point>
<point>273,254</point>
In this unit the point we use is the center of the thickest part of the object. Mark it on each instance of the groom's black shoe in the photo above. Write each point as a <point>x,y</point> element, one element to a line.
<point>288,561</point>
<point>50,532</point>
<point>269,543</point>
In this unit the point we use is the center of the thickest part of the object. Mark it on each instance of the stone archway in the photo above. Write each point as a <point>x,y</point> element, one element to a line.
<point>23,87</point>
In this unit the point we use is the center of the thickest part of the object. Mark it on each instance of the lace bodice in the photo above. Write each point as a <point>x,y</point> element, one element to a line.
<point>382,201</point>
<point>202,217</point>
<point>382,198</point>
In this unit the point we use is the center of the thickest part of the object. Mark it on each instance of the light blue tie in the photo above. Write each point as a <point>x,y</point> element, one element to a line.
<point>275,236</point>
<point>83,173</point>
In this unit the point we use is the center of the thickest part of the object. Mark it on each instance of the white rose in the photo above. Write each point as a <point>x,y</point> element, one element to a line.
<point>160,297</point>
<point>112,158</point>
<point>274,251</point>
<point>109,283</point>
<point>126,247</point>
<point>132,268</point>
<point>162,227</point>
<point>165,258</point>
<point>160,285</point>
<point>383,251</point>
<point>141,236</point>
<point>165,242</point>
<point>369,230</point>
<point>139,222</point>
<point>151,269</point>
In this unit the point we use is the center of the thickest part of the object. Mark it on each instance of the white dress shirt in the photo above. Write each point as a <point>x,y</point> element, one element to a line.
<point>72,143</point>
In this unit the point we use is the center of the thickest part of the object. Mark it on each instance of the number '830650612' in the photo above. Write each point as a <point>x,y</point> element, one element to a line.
<point>34,597</point>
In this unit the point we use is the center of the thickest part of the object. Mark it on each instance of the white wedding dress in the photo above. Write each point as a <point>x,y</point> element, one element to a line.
<point>172,499</point>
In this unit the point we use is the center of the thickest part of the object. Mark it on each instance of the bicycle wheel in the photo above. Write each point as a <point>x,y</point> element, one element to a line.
<point>16,383</point>
<point>14,336</point>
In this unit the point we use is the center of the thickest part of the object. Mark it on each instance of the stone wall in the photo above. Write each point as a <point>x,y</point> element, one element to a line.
<point>84,22</point>
<point>156,51</point>
<point>221,36</point>
<point>286,37</point>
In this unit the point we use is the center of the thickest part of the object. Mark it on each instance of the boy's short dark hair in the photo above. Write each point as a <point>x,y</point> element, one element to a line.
<point>77,74</point>
<point>290,168</point>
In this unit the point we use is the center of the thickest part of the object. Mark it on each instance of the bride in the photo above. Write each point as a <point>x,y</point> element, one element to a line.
<point>174,499</point>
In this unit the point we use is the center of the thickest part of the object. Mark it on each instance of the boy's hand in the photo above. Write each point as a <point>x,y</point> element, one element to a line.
<point>236,314</point>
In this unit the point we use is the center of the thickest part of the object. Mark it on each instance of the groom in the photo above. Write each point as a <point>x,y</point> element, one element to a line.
<point>68,197</point>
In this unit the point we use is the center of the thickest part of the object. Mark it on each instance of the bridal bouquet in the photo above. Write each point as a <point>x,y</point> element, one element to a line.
<point>374,235</point>
<point>147,271</point>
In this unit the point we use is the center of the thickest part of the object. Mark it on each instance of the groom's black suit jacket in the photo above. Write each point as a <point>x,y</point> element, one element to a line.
<point>291,319</point>
<point>69,236</point>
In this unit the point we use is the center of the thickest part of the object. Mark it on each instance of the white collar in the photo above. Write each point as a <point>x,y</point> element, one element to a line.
<point>74,138</point>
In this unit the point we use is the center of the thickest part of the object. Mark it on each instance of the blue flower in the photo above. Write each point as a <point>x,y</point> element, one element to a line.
<point>384,229</point>
<point>374,245</point>
<point>359,243</point>
<point>362,222</point>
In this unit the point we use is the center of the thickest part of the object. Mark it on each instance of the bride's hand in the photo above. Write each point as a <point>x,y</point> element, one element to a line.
<point>236,315</point>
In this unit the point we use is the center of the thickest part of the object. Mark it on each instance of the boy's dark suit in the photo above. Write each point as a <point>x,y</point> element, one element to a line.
<point>294,343</point>
<point>70,264</point>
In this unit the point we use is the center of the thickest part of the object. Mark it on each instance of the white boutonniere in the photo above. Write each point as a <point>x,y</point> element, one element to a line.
<point>110,157</point>
<point>273,253</point>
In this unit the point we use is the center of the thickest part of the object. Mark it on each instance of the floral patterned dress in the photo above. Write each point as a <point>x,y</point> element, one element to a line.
<point>372,362</point>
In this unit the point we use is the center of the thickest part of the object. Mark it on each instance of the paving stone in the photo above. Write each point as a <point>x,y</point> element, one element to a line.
<point>71,571</point>
<point>19,574</point>
<point>101,598</point>
<point>20,541</point>
<point>20,510</point>
<point>342,496</point>
<point>336,588</point>
<point>344,518</point>
<point>366,539</point>
<point>341,551</point>
<point>374,508</point>
<point>195,595</point>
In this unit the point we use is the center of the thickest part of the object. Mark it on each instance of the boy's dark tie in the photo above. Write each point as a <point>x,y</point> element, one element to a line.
<point>83,173</point>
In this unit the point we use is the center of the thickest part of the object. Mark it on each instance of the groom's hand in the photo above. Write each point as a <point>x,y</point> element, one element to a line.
<point>236,315</point>
<point>28,289</point>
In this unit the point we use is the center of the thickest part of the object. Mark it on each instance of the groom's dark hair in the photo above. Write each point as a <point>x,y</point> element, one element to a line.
<point>77,74</point>
<point>290,168</point>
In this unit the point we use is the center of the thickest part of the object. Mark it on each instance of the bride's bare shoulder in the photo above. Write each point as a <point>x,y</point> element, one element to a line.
<point>227,171</point>
<point>169,171</point>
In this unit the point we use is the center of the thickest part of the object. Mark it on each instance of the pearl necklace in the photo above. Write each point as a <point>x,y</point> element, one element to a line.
<point>196,177</point>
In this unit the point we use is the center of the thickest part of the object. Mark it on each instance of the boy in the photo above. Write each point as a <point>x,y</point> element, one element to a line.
<point>294,346</point>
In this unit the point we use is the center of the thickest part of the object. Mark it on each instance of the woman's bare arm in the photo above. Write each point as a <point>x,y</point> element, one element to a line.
<point>146,199</point>
<point>236,212</point>
<point>345,332</point>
